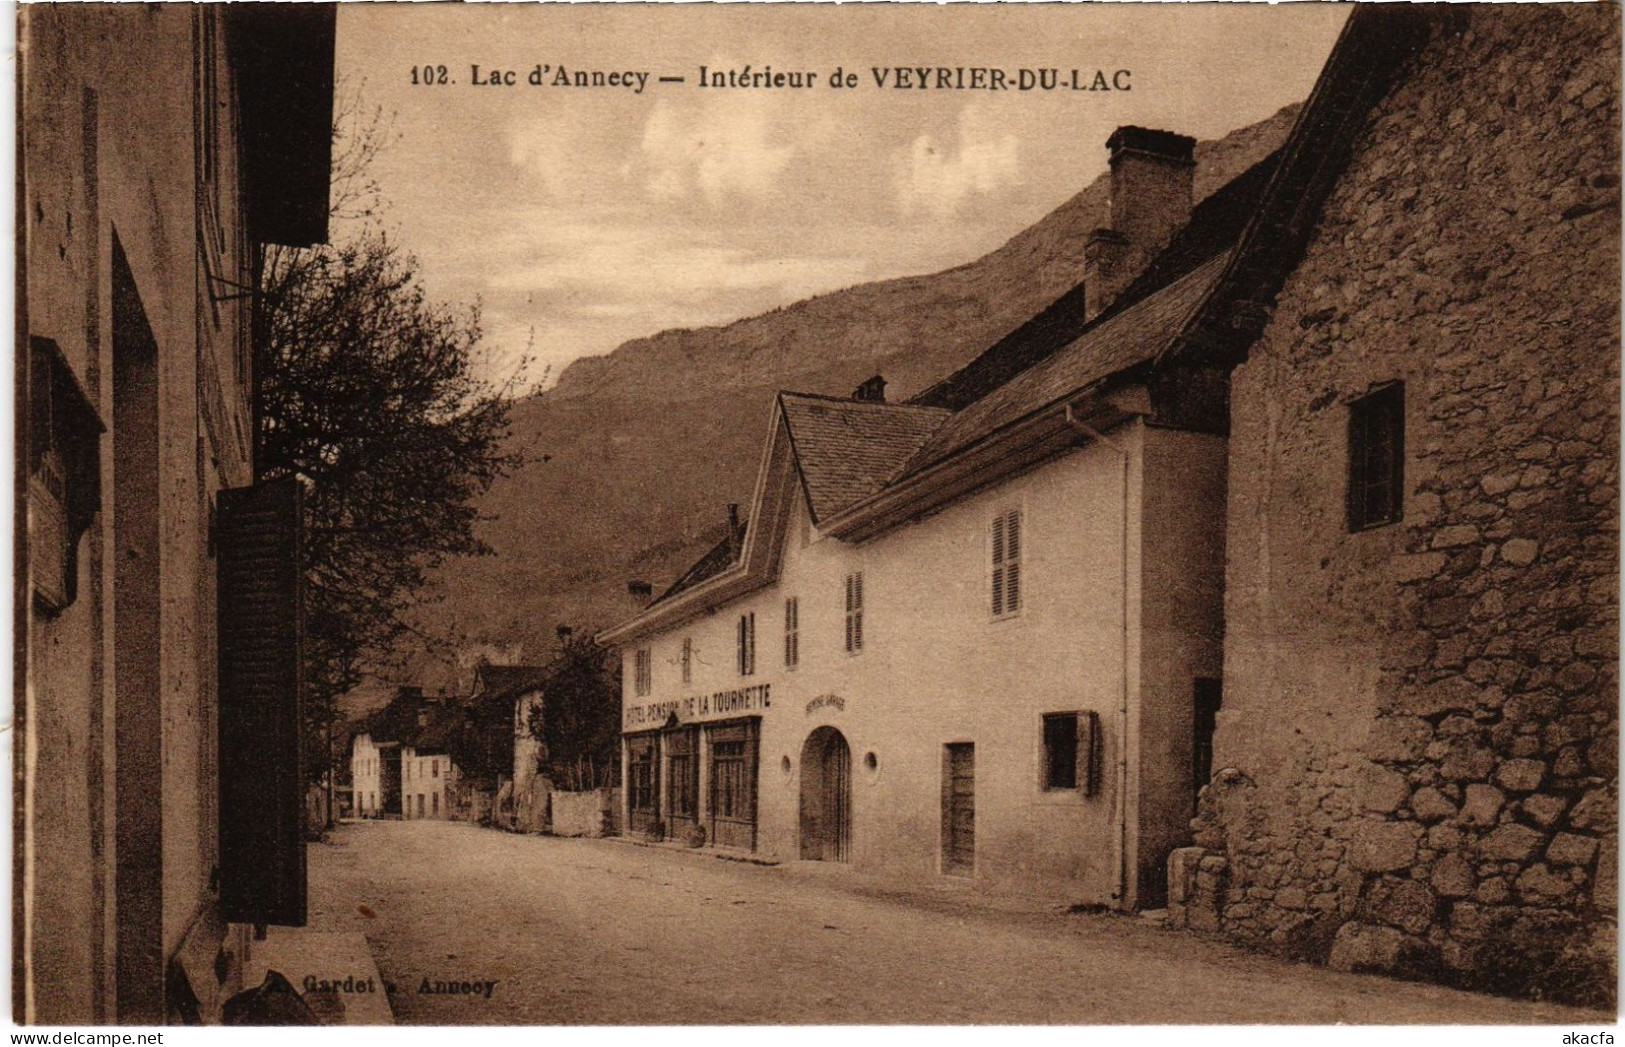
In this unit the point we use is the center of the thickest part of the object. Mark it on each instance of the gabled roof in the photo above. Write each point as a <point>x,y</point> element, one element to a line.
<point>846,450</point>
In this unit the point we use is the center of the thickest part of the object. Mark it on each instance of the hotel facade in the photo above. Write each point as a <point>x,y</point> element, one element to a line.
<point>977,634</point>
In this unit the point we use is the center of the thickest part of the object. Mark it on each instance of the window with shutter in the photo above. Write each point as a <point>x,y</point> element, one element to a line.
<point>747,644</point>
<point>260,580</point>
<point>64,481</point>
<point>1006,580</point>
<point>792,633</point>
<point>642,672</point>
<point>1072,752</point>
<point>854,612</point>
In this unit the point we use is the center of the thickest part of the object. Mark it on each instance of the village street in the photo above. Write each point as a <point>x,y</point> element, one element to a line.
<point>606,932</point>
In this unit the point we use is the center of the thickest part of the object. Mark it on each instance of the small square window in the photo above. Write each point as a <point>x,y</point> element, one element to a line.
<point>1072,752</point>
<point>1377,458</point>
<point>1061,751</point>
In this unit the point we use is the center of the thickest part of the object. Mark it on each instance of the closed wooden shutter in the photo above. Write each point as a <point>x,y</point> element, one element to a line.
<point>262,851</point>
<point>1007,563</point>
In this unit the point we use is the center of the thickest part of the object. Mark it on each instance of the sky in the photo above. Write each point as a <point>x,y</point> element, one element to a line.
<point>580,217</point>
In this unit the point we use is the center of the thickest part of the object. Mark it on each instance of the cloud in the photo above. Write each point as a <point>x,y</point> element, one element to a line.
<point>719,150</point>
<point>940,181</point>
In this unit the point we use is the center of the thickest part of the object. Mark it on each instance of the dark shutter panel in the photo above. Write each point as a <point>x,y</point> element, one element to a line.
<point>262,851</point>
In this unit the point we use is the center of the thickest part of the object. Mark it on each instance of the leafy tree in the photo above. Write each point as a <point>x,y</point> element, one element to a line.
<point>581,717</point>
<point>371,393</point>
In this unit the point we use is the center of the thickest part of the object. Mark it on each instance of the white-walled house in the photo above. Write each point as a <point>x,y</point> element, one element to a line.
<point>978,634</point>
<point>367,776</point>
<point>427,780</point>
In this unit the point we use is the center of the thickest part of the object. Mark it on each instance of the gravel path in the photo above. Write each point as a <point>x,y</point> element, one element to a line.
<point>608,932</point>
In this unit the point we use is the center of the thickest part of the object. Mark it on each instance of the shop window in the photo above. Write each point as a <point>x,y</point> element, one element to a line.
<point>688,659</point>
<point>854,612</point>
<point>642,672</point>
<point>1377,458</point>
<point>64,480</point>
<point>1072,752</point>
<point>1007,564</point>
<point>641,774</point>
<point>747,644</point>
<point>732,793</point>
<point>685,774</point>
<point>792,633</point>
<point>731,796</point>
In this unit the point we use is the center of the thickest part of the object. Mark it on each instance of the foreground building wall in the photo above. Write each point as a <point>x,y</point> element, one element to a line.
<point>1419,719</point>
<point>119,851</point>
<point>154,163</point>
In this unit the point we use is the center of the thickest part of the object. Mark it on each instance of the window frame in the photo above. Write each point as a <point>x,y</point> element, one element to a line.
<point>1047,773</point>
<point>1376,458</point>
<point>688,659</point>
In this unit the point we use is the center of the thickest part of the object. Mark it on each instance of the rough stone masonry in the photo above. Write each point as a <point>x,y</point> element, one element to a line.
<point>1419,723</point>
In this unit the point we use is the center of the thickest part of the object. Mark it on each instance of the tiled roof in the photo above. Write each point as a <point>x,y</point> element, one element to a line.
<point>1129,337</point>
<point>719,558</point>
<point>1215,224</point>
<point>501,681</point>
<point>848,450</point>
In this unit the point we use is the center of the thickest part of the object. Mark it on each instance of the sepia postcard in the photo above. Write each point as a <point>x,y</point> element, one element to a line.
<point>816,515</point>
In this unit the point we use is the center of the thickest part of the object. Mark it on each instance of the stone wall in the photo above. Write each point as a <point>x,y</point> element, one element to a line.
<point>585,813</point>
<point>1418,734</point>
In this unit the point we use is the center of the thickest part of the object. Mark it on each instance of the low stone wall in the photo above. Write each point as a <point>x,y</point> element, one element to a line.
<point>532,805</point>
<point>584,814</point>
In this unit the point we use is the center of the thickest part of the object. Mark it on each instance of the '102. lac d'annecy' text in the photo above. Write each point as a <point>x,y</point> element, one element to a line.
<point>748,77</point>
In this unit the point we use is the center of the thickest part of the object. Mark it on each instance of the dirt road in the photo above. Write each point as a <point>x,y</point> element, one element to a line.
<point>538,930</point>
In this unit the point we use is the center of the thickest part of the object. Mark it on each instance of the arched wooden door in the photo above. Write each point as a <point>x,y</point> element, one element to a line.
<point>826,797</point>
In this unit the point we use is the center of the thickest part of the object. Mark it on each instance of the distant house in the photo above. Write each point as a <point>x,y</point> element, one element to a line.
<point>504,701</point>
<point>375,775</point>
<point>399,760</point>
<point>428,775</point>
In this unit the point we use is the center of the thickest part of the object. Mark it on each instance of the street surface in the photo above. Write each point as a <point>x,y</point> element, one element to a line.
<point>535,930</point>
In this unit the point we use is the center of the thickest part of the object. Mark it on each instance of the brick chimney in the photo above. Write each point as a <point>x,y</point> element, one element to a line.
<point>1152,173</point>
<point>872,390</point>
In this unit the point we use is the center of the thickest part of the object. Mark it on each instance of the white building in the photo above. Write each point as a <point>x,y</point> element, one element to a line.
<point>967,635</point>
<point>427,780</point>
<point>374,774</point>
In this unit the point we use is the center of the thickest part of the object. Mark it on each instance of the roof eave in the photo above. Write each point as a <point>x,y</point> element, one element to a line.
<point>1014,448</point>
